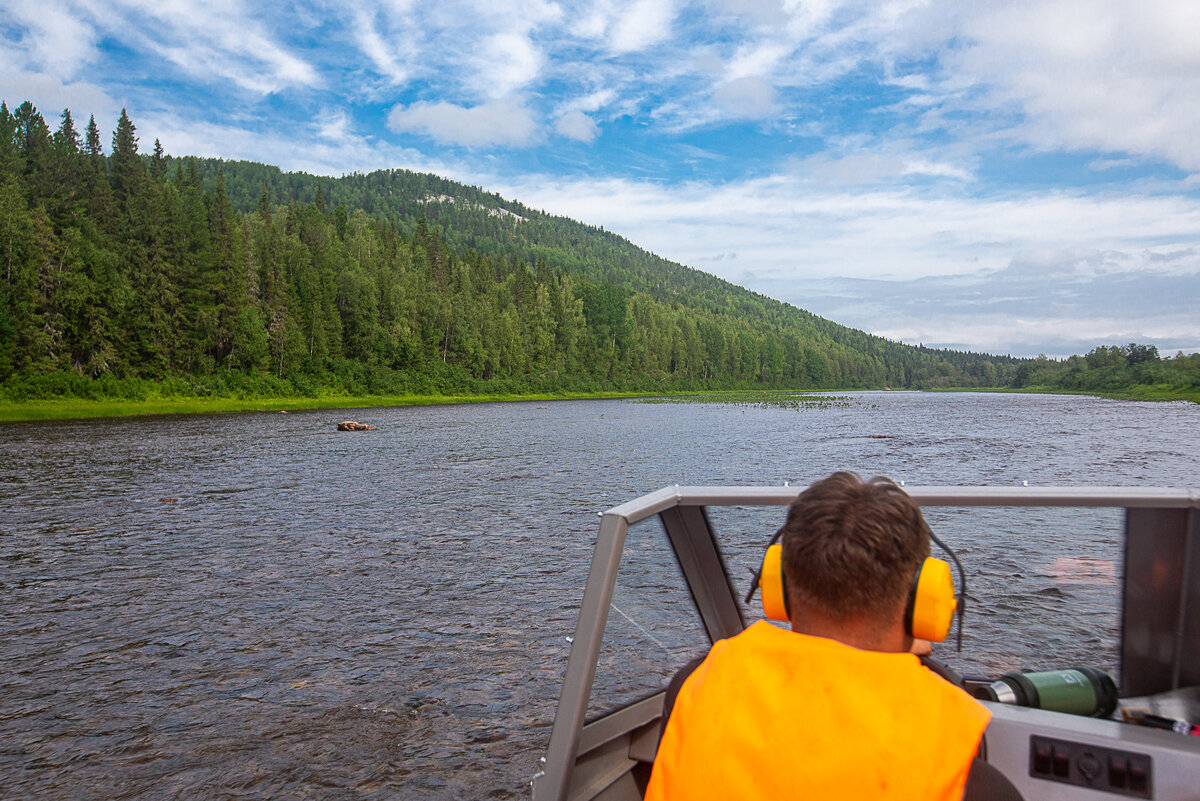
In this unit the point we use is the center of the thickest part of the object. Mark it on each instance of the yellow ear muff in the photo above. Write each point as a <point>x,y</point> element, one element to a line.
<point>932,605</point>
<point>770,583</point>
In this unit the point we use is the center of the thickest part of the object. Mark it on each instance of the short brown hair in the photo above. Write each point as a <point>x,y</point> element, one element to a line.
<point>851,547</point>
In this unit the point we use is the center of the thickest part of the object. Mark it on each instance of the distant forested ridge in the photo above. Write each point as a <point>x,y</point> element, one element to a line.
<point>219,276</point>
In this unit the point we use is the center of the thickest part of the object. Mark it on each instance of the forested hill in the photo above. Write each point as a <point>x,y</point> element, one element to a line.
<point>469,219</point>
<point>127,264</point>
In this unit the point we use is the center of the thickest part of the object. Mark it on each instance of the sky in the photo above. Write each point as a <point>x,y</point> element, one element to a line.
<point>1015,177</point>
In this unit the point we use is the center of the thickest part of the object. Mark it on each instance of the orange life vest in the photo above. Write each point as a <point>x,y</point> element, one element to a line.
<point>772,714</point>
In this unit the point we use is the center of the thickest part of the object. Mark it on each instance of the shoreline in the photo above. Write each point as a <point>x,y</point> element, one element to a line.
<point>83,409</point>
<point>1140,392</point>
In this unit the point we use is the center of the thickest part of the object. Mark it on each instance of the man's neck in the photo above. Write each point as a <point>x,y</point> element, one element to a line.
<point>865,634</point>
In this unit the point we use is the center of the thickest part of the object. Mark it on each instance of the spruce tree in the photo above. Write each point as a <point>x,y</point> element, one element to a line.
<point>34,140</point>
<point>8,141</point>
<point>264,203</point>
<point>66,138</point>
<point>158,165</point>
<point>128,170</point>
<point>95,191</point>
<point>64,173</point>
<point>92,145</point>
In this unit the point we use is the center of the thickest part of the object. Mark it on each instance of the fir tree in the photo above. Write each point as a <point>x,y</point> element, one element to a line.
<point>8,141</point>
<point>264,203</point>
<point>33,139</point>
<point>128,170</point>
<point>65,171</point>
<point>95,191</point>
<point>66,138</point>
<point>92,144</point>
<point>158,166</point>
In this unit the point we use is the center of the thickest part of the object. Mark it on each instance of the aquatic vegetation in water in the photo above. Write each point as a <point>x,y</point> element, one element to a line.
<point>758,399</point>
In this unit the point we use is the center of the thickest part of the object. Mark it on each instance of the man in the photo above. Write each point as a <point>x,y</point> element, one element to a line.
<point>837,707</point>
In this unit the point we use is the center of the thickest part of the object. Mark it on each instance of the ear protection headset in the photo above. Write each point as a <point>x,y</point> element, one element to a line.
<point>931,601</point>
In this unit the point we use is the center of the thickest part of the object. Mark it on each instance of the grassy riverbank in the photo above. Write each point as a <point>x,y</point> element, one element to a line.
<point>76,409</point>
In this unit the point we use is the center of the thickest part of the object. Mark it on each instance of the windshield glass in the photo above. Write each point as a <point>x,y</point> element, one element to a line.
<point>1044,592</point>
<point>1044,584</point>
<point>653,627</point>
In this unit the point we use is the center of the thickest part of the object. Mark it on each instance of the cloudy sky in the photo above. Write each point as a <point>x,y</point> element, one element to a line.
<point>1019,177</point>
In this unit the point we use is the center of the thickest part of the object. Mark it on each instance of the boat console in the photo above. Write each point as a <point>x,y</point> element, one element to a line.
<point>664,585</point>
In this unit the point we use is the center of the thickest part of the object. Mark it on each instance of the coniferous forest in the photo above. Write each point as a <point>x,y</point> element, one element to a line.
<point>125,267</point>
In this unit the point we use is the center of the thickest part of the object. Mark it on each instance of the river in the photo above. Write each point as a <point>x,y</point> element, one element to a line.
<point>258,606</point>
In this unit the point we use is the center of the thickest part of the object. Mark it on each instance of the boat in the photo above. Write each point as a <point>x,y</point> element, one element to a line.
<point>1046,754</point>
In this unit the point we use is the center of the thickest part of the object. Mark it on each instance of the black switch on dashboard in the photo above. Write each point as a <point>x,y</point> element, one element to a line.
<point>1137,777</point>
<point>1116,772</point>
<point>1041,758</point>
<point>1062,762</point>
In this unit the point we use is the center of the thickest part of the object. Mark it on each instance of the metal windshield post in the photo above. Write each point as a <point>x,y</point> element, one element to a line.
<point>581,664</point>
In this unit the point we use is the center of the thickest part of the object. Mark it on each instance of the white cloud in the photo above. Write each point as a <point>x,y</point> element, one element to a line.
<point>757,59</point>
<point>206,41</point>
<point>578,126</point>
<point>333,125</point>
<point>757,12</point>
<point>55,40</point>
<point>1088,74</point>
<point>936,169</point>
<point>593,101</point>
<point>51,96</point>
<point>508,62</point>
<point>1111,164</point>
<point>464,48</point>
<point>856,162</point>
<point>501,122</point>
<point>382,51</point>
<point>745,98</point>
<point>640,24</point>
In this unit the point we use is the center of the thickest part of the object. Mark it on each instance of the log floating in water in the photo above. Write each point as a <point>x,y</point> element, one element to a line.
<point>354,425</point>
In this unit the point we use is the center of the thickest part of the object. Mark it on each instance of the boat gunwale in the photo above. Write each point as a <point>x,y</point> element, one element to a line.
<point>932,495</point>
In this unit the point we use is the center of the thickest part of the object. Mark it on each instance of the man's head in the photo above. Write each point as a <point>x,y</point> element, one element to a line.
<point>851,549</point>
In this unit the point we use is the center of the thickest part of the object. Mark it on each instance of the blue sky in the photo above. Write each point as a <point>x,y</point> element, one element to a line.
<point>1018,177</point>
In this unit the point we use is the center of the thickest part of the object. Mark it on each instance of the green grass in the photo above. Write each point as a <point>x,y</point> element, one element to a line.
<point>76,409</point>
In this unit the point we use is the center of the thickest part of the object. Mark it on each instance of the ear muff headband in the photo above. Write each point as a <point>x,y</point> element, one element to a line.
<point>931,604</point>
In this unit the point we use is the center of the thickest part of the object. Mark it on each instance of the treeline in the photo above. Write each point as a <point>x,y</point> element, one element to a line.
<point>1111,368</point>
<point>124,267</point>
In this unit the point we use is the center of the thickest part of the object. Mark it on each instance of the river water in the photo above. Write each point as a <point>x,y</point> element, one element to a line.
<point>258,606</point>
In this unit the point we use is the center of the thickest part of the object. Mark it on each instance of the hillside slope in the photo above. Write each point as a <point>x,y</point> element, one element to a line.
<point>471,219</point>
